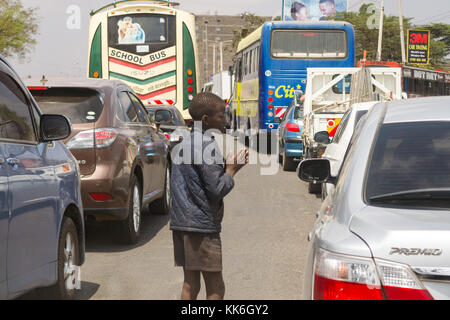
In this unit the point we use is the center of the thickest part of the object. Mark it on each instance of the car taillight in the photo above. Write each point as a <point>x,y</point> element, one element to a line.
<point>85,139</point>
<point>400,283</point>
<point>167,136</point>
<point>342,277</point>
<point>292,127</point>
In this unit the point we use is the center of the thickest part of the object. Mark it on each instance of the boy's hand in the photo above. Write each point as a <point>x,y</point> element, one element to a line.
<point>236,162</point>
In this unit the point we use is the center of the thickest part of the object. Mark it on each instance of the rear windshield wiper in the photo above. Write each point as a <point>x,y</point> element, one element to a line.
<point>418,194</point>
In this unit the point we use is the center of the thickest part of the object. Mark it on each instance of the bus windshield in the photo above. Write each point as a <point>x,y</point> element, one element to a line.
<point>309,44</point>
<point>138,29</point>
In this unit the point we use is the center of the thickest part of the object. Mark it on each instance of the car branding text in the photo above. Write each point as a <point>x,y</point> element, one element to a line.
<point>415,252</point>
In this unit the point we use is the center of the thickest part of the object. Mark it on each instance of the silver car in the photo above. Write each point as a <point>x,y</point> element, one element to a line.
<point>384,231</point>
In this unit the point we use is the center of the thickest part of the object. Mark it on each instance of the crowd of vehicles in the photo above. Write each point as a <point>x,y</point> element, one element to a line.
<point>76,150</point>
<point>99,148</point>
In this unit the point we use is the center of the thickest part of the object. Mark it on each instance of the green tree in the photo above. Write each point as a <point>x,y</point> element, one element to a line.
<point>252,22</point>
<point>367,36</point>
<point>18,27</point>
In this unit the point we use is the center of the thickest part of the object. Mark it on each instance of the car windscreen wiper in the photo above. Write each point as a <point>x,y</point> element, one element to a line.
<point>439,194</point>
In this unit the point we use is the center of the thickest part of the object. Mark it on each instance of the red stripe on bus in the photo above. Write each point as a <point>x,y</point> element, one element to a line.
<point>146,67</point>
<point>156,93</point>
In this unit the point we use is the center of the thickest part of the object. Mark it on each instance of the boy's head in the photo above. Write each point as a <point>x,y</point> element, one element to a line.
<point>210,110</point>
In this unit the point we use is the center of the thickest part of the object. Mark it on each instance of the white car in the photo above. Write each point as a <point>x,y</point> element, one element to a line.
<point>336,150</point>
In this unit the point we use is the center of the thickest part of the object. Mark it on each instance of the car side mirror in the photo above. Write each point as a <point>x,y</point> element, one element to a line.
<point>163,117</point>
<point>314,170</point>
<point>54,127</point>
<point>322,137</point>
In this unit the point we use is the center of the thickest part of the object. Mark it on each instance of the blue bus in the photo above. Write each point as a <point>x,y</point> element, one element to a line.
<point>271,64</point>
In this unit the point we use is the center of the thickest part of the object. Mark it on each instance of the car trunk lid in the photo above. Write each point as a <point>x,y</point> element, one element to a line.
<point>417,238</point>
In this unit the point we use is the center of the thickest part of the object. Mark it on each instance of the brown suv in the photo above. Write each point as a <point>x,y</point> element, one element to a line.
<point>124,160</point>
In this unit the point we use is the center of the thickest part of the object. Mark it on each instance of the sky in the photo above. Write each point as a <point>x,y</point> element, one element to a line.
<point>62,46</point>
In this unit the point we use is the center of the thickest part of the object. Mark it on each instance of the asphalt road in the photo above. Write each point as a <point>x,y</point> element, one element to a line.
<point>267,219</point>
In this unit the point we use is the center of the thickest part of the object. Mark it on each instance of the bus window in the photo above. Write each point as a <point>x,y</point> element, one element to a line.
<point>314,44</point>
<point>140,29</point>
<point>250,62</point>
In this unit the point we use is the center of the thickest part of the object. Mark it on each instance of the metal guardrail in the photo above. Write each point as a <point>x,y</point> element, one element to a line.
<point>115,3</point>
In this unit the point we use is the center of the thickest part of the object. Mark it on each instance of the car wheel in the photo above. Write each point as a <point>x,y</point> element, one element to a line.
<point>162,205</point>
<point>314,188</point>
<point>131,227</point>
<point>68,261</point>
<point>287,163</point>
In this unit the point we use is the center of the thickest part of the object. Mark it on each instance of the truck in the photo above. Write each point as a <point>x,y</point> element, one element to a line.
<point>330,92</point>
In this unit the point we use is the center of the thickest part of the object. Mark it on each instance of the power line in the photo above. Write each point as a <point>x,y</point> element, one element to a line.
<point>437,16</point>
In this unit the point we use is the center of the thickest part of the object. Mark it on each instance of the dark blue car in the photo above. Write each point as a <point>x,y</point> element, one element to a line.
<point>41,214</point>
<point>290,142</point>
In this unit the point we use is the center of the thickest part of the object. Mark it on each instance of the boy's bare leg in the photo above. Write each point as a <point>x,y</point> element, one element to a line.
<point>191,285</point>
<point>215,287</point>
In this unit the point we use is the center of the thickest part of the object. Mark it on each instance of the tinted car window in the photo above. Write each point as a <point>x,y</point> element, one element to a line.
<point>410,156</point>
<point>128,108</point>
<point>177,118</point>
<point>15,118</point>
<point>78,104</point>
<point>142,115</point>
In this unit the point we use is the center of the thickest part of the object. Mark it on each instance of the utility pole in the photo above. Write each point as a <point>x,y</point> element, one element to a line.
<point>402,36</point>
<point>214,58</point>
<point>380,35</point>
<point>221,55</point>
<point>206,55</point>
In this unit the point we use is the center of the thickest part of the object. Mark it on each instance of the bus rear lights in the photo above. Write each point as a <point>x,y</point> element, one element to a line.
<point>270,92</point>
<point>271,126</point>
<point>191,97</point>
<point>270,107</point>
<point>189,72</point>
<point>270,114</point>
<point>270,100</point>
<point>96,74</point>
<point>190,81</point>
<point>101,197</point>
<point>190,89</point>
<point>342,277</point>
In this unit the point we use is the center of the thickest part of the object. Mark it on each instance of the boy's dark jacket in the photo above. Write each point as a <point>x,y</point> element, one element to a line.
<point>198,187</point>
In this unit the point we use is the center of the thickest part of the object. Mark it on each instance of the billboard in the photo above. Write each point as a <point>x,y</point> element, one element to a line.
<point>418,46</point>
<point>312,10</point>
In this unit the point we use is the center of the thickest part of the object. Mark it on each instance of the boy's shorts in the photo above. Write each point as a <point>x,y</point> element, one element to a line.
<point>198,251</point>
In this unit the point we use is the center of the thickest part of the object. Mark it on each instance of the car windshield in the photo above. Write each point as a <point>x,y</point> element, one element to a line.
<point>411,162</point>
<point>78,104</point>
<point>177,120</point>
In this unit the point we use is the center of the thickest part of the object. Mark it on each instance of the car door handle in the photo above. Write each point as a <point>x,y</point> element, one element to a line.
<point>12,161</point>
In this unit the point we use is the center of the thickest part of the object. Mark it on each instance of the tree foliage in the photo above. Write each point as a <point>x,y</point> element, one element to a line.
<point>251,23</point>
<point>367,37</point>
<point>18,28</point>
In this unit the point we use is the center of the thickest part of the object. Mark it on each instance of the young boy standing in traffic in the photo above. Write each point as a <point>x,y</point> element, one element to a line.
<point>197,192</point>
